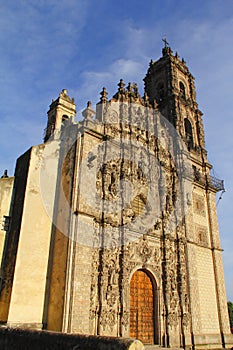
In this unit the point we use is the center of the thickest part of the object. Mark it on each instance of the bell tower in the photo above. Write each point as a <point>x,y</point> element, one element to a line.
<point>170,87</point>
<point>61,110</point>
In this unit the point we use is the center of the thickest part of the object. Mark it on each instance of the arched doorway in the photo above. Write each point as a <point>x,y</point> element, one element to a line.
<point>142,308</point>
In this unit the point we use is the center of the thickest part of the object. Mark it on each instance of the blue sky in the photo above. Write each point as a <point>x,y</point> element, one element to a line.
<point>84,45</point>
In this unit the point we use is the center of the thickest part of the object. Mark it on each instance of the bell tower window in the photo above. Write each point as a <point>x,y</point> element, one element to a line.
<point>64,117</point>
<point>160,89</point>
<point>182,90</point>
<point>188,133</point>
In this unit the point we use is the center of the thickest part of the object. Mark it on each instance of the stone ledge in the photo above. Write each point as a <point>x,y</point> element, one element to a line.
<point>21,339</point>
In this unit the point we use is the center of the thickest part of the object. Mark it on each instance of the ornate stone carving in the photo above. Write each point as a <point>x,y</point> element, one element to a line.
<point>201,235</point>
<point>125,319</point>
<point>110,186</point>
<point>107,319</point>
<point>144,251</point>
<point>111,297</point>
<point>186,320</point>
<point>157,256</point>
<point>172,319</point>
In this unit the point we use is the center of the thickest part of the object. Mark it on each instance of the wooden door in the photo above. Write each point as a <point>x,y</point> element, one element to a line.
<point>142,307</point>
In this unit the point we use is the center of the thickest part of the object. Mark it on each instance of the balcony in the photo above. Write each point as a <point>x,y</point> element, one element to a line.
<point>216,184</point>
<point>209,181</point>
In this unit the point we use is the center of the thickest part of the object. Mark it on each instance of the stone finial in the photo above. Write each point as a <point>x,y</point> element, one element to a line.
<point>63,92</point>
<point>135,87</point>
<point>5,175</point>
<point>103,94</point>
<point>130,87</point>
<point>146,98</point>
<point>64,95</point>
<point>88,113</point>
<point>121,86</point>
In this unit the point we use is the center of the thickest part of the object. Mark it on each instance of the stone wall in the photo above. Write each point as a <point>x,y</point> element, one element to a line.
<point>29,285</point>
<point>11,244</point>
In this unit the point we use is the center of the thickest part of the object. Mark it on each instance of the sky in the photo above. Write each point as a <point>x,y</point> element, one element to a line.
<point>49,45</point>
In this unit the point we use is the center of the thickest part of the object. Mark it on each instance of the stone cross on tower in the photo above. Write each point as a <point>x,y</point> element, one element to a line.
<point>166,44</point>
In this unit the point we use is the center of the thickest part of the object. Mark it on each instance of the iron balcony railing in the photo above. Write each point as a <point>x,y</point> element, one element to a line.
<point>216,183</point>
<point>206,180</point>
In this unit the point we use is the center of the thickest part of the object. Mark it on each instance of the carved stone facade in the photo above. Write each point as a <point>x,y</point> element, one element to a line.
<point>127,189</point>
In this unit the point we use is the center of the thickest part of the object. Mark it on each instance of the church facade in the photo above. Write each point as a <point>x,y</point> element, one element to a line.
<point>110,226</point>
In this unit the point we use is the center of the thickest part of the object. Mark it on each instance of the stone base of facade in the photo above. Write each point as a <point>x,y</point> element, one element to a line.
<point>213,341</point>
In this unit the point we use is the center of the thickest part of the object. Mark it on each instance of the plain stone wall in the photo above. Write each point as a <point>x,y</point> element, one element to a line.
<point>30,274</point>
<point>19,339</point>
